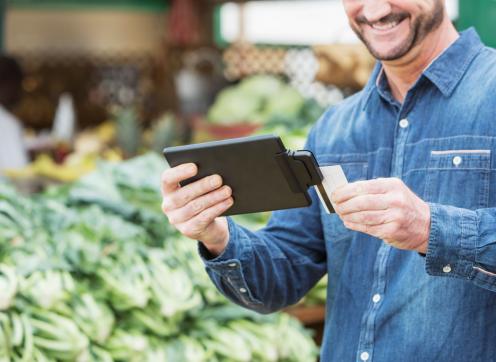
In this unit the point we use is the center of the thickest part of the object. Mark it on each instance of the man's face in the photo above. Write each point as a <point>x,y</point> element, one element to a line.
<point>391,28</point>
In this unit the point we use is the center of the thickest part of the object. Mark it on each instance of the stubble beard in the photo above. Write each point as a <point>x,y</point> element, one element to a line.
<point>419,29</point>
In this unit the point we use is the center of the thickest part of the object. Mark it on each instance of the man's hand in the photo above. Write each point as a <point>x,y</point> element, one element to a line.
<point>387,209</point>
<point>195,208</point>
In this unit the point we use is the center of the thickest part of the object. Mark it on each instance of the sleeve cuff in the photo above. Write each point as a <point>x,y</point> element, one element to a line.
<point>226,269</point>
<point>452,242</point>
<point>230,255</point>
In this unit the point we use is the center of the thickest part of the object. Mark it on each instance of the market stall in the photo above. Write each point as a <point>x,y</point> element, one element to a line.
<point>91,272</point>
<point>90,269</point>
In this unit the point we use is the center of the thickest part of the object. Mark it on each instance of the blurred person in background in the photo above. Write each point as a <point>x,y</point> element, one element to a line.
<point>13,154</point>
<point>411,252</point>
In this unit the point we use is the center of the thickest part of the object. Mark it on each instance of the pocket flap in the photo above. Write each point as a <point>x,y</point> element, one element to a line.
<point>460,159</point>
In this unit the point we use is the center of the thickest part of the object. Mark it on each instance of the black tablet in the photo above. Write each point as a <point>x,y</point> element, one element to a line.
<point>263,175</point>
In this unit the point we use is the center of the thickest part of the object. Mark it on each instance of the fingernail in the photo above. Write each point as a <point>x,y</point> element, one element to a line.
<point>215,181</point>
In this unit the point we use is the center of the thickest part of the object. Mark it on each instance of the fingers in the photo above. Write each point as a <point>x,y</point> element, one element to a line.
<point>184,195</point>
<point>194,227</point>
<point>193,208</point>
<point>362,203</point>
<point>172,176</point>
<point>383,231</point>
<point>199,204</point>
<point>375,217</point>
<point>386,209</point>
<point>354,189</point>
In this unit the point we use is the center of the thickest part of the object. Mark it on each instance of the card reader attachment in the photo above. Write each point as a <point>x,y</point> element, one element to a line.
<point>302,171</point>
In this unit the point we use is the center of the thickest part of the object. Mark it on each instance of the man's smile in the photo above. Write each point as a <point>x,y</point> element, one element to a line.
<point>385,26</point>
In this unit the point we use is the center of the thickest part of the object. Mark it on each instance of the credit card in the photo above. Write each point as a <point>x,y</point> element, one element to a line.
<point>334,177</point>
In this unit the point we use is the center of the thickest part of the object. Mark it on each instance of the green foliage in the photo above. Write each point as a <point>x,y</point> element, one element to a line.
<point>92,272</point>
<point>256,99</point>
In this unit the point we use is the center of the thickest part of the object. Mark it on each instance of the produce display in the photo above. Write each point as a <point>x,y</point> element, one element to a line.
<point>256,99</point>
<point>114,140</point>
<point>91,271</point>
<point>132,139</point>
<point>64,163</point>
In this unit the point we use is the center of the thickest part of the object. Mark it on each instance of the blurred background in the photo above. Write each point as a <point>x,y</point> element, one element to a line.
<point>91,91</point>
<point>160,72</point>
<point>151,73</point>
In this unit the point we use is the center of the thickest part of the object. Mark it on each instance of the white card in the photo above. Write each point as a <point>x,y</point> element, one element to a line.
<point>334,177</point>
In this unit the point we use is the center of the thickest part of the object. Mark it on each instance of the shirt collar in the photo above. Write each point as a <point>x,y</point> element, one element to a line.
<point>372,82</point>
<point>446,71</point>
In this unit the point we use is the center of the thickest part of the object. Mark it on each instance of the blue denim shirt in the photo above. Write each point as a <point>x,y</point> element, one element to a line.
<point>386,304</point>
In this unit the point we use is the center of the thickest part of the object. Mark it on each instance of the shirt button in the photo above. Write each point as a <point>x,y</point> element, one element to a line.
<point>376,298</point>
<point>404,123</point>
<point>447,268</point>
<point>364,356</point>
<point>457,160</point>
<point>233,265</point>
<point>242,290</point>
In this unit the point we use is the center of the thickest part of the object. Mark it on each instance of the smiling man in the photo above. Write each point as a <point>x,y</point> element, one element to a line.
<point>411,252</point>
<point>390,32</point>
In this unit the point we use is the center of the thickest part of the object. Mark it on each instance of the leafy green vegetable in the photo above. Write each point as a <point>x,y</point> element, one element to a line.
<point>287,103</point>
<point>92,272</point>
<point>257,99</point>
<point>93,317</point>
<point>56,336</point>
<point>261,86</point>
<point>233,106</point>
<point>8,286</point>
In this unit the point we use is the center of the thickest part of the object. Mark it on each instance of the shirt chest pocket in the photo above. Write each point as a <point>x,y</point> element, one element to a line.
<point>354,170</point>
<point>459,178</point>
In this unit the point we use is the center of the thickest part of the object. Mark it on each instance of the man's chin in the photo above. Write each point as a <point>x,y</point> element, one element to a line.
<point>391,53</point>
<point>382,50</point>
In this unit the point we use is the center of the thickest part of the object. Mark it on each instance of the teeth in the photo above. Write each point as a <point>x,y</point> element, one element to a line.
<point>382,26</point>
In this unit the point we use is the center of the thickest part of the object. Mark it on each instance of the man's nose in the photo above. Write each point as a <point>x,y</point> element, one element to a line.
<point>374,10</point>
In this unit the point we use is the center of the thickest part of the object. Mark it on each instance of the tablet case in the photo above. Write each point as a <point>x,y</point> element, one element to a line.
<point>262,174</point>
